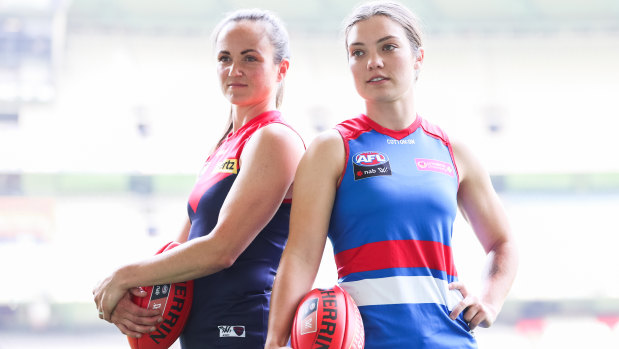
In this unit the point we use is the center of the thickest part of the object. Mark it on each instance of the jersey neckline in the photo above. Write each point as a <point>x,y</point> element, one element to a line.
<point>267,115</point>
<point>399,134</point>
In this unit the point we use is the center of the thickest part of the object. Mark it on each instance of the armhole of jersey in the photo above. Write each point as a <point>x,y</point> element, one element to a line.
<point>242,146</point>
<point>289,201</point>
<point>453,159</point>
<point>284,201</point>
<point>240,151</point>
<point>436,132</point>
<point>346,155</point>
<point>293,130</point>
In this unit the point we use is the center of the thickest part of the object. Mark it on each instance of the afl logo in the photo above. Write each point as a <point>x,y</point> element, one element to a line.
<point>370,158</point>
<point>370,164</point>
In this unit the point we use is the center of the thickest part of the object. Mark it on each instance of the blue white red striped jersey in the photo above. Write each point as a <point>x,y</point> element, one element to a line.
<point>391,230</point>
<point>230,308</point>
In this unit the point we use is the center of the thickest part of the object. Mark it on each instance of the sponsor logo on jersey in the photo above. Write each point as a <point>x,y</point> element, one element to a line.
<point>370,158</point>
<point>401,141</point>
<point>227,166</point>
<point>370,164</point>
<point>309,311</point>
<point>435,166</point>
<point>231,331</point>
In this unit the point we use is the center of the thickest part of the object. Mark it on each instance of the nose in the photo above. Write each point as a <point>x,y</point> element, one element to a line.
<point>235,70</point>
<point>375,61</point>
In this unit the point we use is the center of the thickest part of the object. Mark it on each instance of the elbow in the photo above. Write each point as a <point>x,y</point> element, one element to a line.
<point>502,242</point>
<point>506,254</point>
<point>225,260</point>
<point>506,249</point>
<point>213,256</point>
<point>220,254</point>
<point>510,247</point>
<point>214,262</point>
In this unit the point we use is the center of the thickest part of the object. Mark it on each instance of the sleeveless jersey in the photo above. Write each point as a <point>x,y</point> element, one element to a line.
<point>391,228</point>
<point>230,308</point>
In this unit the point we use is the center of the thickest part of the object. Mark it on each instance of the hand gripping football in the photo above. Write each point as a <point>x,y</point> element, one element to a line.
<point>327,319</point>
<point>174,300</point>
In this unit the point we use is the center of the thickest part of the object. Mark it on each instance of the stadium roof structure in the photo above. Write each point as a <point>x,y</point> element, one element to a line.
<point>319,16</point>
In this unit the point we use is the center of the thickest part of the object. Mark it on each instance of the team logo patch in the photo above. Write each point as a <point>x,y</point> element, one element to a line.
<point>231,331</point>
<point>309,311</point>
<point>370,164</point>
<point>227,166</point>
<point>435,166</point>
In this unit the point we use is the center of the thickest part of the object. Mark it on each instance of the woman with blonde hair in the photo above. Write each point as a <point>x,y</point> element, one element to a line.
<point>390,185</point>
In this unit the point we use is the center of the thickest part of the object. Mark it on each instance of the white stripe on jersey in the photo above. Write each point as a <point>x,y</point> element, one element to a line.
<point>402,290</point>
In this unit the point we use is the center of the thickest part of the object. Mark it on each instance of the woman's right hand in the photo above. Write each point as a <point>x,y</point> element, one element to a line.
<point>133,320</point>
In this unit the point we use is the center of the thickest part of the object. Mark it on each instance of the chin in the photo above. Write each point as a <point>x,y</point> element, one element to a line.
<point>380,98</point>
<point>237,100</point>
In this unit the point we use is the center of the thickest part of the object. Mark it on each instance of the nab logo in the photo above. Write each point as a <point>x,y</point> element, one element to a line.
<point>370,158</point>
<point>231,331</point>
<point>227,166</point>
<point>370,164</point>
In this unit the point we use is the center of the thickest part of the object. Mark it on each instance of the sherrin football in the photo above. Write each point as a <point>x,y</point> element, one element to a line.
<point>174,300</point>
<point>327,318</point>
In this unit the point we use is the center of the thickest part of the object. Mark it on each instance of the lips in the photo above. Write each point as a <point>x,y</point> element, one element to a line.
<point>235,83</point>
<point>377,79</point>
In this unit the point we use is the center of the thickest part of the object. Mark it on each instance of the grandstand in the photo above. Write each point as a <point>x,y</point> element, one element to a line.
<point>108,108</point>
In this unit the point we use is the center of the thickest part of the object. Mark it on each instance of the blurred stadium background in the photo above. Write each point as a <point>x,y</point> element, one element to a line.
<point>108,108</point>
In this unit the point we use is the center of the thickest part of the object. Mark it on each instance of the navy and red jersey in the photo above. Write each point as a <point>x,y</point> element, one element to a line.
<point>391,230</point>
<point>230,308</point>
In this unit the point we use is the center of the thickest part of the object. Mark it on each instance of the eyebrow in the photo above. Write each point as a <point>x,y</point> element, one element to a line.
<point>388,37</point>
<point>242,52</point>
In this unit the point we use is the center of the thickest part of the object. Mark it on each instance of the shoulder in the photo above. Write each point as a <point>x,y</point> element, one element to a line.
<point>329,141</point>
<point>326,154</point>
<point>277,130</point>
<point>273,142</point>
<point>351,128</point>
<point>469,165</point>
<point>276,134</point>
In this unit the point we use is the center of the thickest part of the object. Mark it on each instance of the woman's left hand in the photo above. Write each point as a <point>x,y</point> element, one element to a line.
<point>107,294</point>
<point>475,311</point>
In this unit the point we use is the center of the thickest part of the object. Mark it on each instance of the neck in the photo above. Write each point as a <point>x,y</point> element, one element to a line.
<point>395,115</point>
<point>241,115</point>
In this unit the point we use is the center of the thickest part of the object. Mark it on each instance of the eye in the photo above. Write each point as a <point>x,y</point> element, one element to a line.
<point>223,58</point>
<point>250,59</point>
<point>389,47</point>
<point>357,53</point>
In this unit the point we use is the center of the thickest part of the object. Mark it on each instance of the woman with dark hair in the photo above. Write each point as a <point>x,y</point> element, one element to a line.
<point>239,208</point>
